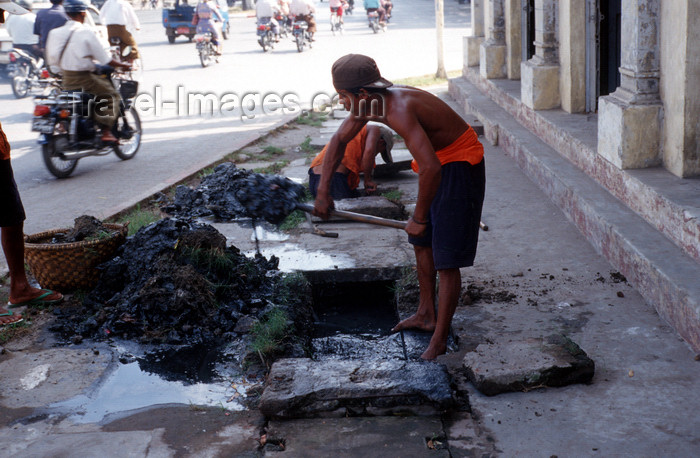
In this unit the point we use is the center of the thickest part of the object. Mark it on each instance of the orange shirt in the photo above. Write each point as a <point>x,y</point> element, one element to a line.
<point>352,159</point>
<point>466,148</point>
<point>4,146</point>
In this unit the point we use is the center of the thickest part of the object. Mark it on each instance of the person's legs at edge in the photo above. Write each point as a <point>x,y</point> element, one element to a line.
<point>424,318</point>
<point>448,296</point>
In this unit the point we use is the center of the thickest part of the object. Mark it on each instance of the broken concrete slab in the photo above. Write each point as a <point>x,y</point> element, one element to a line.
<point>372,205</point>
<point>301,387</point>
<point>358,436</point>
<point>501,367</point>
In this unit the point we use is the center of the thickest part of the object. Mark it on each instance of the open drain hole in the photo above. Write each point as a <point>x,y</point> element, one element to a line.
<point>353,319</point>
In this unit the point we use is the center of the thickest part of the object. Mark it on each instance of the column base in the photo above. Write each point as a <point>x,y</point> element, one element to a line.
<point>540,85</point>
<point>471,46</point>
<point>628,134</point>
<point>492,60</point>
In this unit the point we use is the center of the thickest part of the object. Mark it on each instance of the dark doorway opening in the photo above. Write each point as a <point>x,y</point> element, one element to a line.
<point>610,45</point>
<point>527,29</point>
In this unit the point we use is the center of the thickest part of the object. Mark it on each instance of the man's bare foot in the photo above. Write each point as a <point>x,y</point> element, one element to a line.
<point>8,317</point>
<point>415,322</point>
<point>434,351</point>
<point>36,296</point>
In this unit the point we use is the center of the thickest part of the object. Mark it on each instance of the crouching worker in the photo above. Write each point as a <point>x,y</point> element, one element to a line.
<point>444,228</point>
<point>359,157</point>
<point>73,49</point>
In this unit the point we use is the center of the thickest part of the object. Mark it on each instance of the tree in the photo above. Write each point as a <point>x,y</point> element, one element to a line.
<point>439,26</point>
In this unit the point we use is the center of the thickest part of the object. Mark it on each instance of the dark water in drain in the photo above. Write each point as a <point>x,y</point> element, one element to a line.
<point>354,308</point>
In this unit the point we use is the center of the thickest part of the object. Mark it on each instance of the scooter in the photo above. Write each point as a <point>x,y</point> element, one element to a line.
<point>28,74</point>
<point>266,38</point>
<point>206,49</point>
<point>67,132</point>
<point>374,24</point>
<point>300,32</point>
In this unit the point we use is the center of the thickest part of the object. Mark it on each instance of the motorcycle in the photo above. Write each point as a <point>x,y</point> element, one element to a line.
<point>68,134</point>
<point>266,38</point>
<point>28,74</point>
<point>284,25</point>
<point>301,34</point>
<point>374,24</point>
<point>206,49</point>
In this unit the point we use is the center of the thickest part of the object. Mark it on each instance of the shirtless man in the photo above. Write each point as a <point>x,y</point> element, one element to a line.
<point>359,158</point>
<point>444,228</point>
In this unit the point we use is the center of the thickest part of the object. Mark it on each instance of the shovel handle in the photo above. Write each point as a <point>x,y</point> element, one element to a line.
<point>359,217</point>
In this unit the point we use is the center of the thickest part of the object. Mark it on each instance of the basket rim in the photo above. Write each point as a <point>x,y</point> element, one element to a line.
<point>121,231</point>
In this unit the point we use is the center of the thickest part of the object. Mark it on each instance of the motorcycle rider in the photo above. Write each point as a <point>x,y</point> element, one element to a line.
<point>47,20</point>
<point>374,5</point>
<point>387,5</point>
<point>284,11</point>
<point>73,50</point>
<point>209,20</point>
<point>304,10</point>
<point>120,18</point>
<point>21,29</point>
<point>265,11</point>
<point>338,7</point>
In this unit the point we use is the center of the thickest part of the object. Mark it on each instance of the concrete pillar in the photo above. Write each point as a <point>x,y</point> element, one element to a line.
<point>572,55</point>
<point>473,42</point>
<point>492,53</point>
<point>514,53</point>
<point>629,119</point>
<point>540,75</point>
<point>680,86</point>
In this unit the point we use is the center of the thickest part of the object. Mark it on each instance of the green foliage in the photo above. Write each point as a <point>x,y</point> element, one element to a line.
<point>408,279</point>
<point>312,118</point>
<point>9,331</point>
<point>394,195</point>
<point>139,218</point>
<point>270,332</point>
<point>273,168</point>
<point>426,80</point>
<point>292,221</point>
<point>205,171</point>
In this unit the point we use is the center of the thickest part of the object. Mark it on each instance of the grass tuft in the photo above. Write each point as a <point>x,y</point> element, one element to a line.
<point>139,218</point>
<point>270,332</point>
<point>426,80</point>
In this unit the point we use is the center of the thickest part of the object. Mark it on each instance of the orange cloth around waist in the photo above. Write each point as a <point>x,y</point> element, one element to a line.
<point>467,147</point>
<point>352,159</point>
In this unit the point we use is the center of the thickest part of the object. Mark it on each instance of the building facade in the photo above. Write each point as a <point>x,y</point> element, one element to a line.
<point>614,87</point>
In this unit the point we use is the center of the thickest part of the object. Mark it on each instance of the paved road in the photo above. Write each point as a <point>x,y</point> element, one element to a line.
<point>178,140</point>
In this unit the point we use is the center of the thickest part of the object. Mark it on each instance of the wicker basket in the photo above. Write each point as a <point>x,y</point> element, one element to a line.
<point>70,266</point>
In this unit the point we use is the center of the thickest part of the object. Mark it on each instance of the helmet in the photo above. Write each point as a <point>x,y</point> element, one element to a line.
<point>75,6</point>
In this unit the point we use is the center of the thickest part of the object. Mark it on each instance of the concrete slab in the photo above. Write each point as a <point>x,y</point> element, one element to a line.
<point>301,387</point>
<point>372,205</point>
<point>521,365</point>
<point>359,437</point>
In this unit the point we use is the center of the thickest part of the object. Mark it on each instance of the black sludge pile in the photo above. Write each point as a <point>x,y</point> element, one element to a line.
<point>229,193</point>
<point>175,282</point>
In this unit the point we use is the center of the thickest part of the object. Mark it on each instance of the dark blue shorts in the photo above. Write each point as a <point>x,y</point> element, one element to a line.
<point>453,229</point>
<point>11,209</point>
<point>340,189</point>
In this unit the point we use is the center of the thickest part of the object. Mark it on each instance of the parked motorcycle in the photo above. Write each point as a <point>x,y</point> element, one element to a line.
<point>300,32</point>
<point>29,75</point>
<point>67,132</point>
<point>374,24</point>
<point>206,49</point>
<point>266,38</point>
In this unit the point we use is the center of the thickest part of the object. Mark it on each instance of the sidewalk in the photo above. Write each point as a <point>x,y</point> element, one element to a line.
<point>537,276</point>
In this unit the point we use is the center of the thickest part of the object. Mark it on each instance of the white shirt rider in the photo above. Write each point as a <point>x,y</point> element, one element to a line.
<point>302,7</point>
<point>80,54</point>
<point>119,12</point>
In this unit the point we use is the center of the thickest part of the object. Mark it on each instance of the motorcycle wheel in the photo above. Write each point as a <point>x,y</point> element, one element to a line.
<point>375,27</point>
<point>300,42</point>
<point>20,86</point>
<point>128,130</point>
<point>226,32</point>
<point>204,58</point>
<point>53,156</point>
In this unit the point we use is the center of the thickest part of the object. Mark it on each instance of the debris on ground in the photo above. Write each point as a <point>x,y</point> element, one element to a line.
<point>175,282</point>
<point>230,193</point>
<point>85,227</point>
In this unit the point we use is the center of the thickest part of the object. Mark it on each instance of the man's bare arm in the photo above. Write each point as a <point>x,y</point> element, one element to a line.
<point>334,156</point>
<point>369,153</point>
